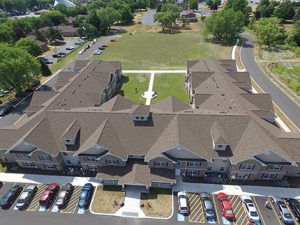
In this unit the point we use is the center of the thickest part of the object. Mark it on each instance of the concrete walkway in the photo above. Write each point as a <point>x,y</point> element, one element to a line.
<point>148,94</point>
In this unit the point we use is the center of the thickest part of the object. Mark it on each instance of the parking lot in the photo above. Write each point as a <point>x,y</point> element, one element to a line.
<point>34,206</point>
<point>197,215</point>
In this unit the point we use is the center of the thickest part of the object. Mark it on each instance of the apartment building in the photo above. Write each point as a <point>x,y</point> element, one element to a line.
<point>225,130</point>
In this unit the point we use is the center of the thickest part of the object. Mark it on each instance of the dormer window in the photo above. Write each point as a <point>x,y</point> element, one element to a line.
<point>70,135</point>
<point>219,138</point>
<point>140,112</point>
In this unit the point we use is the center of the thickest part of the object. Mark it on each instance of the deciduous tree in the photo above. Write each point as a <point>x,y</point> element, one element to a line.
<point>30,45</point>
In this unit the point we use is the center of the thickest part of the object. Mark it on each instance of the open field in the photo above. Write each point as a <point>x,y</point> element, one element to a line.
<point>169,85</point>
<point>157,203</point>
<point>134,85</point>
<point>154,50</point>
<point>290,75</point>
<point>108,199</point>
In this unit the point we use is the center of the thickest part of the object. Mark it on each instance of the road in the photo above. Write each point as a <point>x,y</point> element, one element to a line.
<point>280,98</point>
<point>148,18</point>
<point>18,113</point>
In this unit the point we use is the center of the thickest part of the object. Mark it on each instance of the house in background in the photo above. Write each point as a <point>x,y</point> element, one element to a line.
<point>188,16</point>
<point>43,45</point>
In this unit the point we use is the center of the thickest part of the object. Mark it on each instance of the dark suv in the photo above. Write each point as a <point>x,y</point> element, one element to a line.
<point>295,206</point>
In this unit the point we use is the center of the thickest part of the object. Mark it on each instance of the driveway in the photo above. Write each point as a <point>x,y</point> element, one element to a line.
<point>291,109</point>
<point>18,113</point>
<point>148,18</point>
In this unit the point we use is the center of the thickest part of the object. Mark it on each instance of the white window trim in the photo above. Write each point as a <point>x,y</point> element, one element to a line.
<point>243,176</point>
<point>28,164</point>
<point>194,164</point>
<point>275,167</point>
<point>93,167</point>
<point>160,164</point>
<point>50,166</point>
<point>45,158</point>
<point>90,158</point>
<point>192,172</point>
<point>247,166</point>
<point>22,156</point>
<point>269,176</point>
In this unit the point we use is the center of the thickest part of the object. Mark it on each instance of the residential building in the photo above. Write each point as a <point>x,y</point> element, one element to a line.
<point>188,16</point>
<point>227,130</point>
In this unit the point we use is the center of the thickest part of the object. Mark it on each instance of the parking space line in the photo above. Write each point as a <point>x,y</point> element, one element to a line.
<point>258,209</point>
<point>275,211</point>
<point>216,210</point>
<point>72,204</point>
<point>235,200</point>
<point>196,208</point>
<point>35,202</point>
<point>294,218</point>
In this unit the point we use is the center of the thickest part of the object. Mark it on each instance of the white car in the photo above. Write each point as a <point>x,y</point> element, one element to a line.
<point>79,42</point>
<point>94,41</point>
<point>183,205</point>
<point>70,47</point>
<point>97,52</point>
<point>250,209</point>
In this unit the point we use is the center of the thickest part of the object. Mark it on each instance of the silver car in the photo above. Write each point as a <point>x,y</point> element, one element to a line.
<point>26,197</point>
<point>283,211</point>
<point>208,206</point>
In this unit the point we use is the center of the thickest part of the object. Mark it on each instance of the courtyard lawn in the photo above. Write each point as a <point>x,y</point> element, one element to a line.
<point>154,50</point>
<point>157,203</point>
<point>108,199</point>
<point>134,85</point>
<point>169,85</point>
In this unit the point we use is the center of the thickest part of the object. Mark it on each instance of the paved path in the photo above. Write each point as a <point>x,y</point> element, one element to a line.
<point>148,18</point>
<point>150,89</point>
<point>289,108</point>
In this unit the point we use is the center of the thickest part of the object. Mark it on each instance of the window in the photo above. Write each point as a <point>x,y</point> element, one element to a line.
<point>45,158</point>
<point>93,167</point>
<point>142,117</point>
<point>64,153</point>
<point>243,176</point>
<point>23,156</point>
<point>194,164</point>
<point>137,117</point>
<point>222,169</point>
<point>246,167</point>
<point>274,167</point>
<point>28,164</point>
<point>192,172</point>
<point>49,166</point>
<point>160,164</point>
<point>90,158</point>
<point>220,146</point>
<point>112,162</point>
<point>209,168</point>
<point>269,176</point>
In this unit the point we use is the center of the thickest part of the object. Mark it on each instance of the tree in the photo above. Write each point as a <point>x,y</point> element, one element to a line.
<point>94,19</point>
<point>30,45</point>
<point>6,33</point>
<point>17,68</point>
<point>264,10</point>
<point>285,10</point>
<point>240,5</point>
<point>225,25</point>
<point>62,8</point>
<point>296,33</point>
<point>193,4</point>
<point>269,32</point>
<point>114,15</point>
<point>126,14</point>
<point>213,4</point>
<point>171,7</point>
<point>166,19</point>
<point>52,18</point>
<point>54,34</point>
<point>45,71</point>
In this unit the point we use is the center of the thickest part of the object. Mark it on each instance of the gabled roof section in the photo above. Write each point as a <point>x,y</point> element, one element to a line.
<point>199,77</point>
<point>40,97</point>
<point>140,110</point>
<point>218,134</point>
<point>168,139</point>
<point>261,101</point>
<point>71,131</point>
<point>117,103</point>
<point>170,104</point>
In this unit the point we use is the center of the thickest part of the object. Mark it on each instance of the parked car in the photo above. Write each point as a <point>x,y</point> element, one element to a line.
<point>56,56</point>
<point>87,47</point>
<point>4,110</point>
<point>101,48</point>
<point>3,93</point>
<point>183,204</point>
<point>85,196</point>
<point>104,46</point>
<point>282,210</point>
<point>295,206</point>
<point>250,209</point>
<point>70,47</point>
<point>79,42</point>
<point>62,53</point>
<point>94,41</point>
<point>49,62</point>
<point>97,52</point>
<point>10,196</point>
<point>113,40</point>
<point>209,209</point>
<point>225,206</point>
<point>64,195</point>
<point>49,195</point>
<point>26,197</point>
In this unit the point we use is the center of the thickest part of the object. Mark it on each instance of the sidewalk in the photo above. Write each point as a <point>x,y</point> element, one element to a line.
<point>238,190</point>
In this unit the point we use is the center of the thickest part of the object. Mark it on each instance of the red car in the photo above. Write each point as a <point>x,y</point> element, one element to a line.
<point>49,194</point>
<point>104,46</point>
<point>225,206</point>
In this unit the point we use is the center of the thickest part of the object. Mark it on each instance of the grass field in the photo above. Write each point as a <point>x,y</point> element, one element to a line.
<point>169,85</point>
<point>134,85</point>
<point>289,75</point>
<point>154,50</point>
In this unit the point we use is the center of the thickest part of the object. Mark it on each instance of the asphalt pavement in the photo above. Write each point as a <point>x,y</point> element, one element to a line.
<point>148,18</point>
<point>290,108</point>
<point>18,113</point>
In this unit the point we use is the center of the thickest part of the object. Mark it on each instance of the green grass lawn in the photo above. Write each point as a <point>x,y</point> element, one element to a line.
<point>169,85</point>
<point>134,85</point>
<point>153,50</point>
<point>290,76</point>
